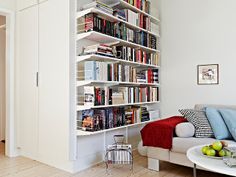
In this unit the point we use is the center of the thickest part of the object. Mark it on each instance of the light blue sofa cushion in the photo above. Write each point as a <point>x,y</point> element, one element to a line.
<point>229,117</point>
<point>217,124</point>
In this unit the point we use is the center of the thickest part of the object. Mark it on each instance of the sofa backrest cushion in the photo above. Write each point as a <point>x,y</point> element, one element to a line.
<point>199,120</point>
<point>229,117</point>
<point>217,124</point>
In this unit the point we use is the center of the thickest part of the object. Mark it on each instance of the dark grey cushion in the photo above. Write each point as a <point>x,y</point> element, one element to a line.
<point>199,120</point>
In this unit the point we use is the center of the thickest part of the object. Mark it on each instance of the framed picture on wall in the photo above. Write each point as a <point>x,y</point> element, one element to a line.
<point>208,74</point>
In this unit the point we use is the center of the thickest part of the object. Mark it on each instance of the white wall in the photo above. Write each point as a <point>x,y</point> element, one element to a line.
<point>197,32</point>
<point>7,4</point>
<point>2,79</point>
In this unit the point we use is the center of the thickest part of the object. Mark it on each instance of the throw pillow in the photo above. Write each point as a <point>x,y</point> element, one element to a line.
<point>199,120</point>
<point>185,130</point>
<point>229,117</point>
<point>217,124</point>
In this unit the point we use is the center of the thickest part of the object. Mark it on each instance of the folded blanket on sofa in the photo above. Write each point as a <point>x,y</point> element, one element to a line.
<point>160,133</point>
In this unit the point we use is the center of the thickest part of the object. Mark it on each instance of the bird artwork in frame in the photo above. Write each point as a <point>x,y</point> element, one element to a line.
<point>208,74</point>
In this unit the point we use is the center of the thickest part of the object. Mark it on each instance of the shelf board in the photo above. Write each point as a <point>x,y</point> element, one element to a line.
<point>112,18</point>
<point>87,133</point>
<point>95,57</point>
<point>100,37</point>
<point>81,108</point>
<point>114,83</point>
<point>121,4</point>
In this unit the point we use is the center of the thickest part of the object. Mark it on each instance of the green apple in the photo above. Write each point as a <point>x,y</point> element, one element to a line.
<point>211,152</point>
<point>222,153</point>
<point>227,153</point>
<point>217,146</point>
<point>204,149</point>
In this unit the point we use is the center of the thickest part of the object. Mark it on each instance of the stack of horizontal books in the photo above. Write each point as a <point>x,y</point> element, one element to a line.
<point>99,49</point>
<point>99,5</point>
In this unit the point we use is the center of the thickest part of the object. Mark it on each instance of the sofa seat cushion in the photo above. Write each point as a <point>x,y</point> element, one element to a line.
<point>181,145</point>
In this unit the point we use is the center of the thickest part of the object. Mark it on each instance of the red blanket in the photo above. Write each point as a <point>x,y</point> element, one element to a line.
<point>160,133</point>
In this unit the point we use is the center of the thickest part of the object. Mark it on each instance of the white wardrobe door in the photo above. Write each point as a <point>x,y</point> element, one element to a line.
<point>53,81</point>
<point>28,90</point>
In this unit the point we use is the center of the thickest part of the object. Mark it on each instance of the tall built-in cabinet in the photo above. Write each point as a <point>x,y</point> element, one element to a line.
<point>47,56</point>
<point>27,78</point>
<point>43,83</point>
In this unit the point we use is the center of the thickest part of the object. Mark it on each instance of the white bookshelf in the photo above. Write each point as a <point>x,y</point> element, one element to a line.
<point>87,133</point>
<point>114,60</point>
<point>114,83</point>
<point>81,108</point>
<point>93,37</point>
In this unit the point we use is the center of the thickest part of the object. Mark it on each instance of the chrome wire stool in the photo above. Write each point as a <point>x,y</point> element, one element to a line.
<point>119,153</point>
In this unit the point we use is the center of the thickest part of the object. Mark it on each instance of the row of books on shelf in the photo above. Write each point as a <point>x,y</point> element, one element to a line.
<point>92,22</point>
<point>102,71</point>
<point>143,5</point>
<point>137,19</point>
<point>99,96</point>
<point>100,119</point>
<point>123,53</point>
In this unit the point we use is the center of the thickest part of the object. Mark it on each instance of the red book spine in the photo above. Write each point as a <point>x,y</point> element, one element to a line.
<point>140,56</point>
<point>152,76</point>
<point>149,76</point>
<point>144,57</point>
<point>139,4</point>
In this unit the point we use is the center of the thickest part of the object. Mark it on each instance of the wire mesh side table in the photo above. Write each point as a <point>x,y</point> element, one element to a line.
<point>119,153</point>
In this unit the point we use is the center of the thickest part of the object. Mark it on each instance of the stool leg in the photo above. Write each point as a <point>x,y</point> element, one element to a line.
<point>194,170</point>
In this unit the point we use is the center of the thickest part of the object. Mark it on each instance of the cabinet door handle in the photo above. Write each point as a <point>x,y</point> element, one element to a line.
<point>37,79</point>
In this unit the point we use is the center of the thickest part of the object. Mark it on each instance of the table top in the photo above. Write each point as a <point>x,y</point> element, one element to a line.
<point>217,165</point>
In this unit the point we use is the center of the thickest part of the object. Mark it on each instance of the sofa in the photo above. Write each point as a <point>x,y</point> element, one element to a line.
<point>177,154</point>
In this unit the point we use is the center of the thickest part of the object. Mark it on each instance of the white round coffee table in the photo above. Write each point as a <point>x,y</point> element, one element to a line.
<point>214,165</point>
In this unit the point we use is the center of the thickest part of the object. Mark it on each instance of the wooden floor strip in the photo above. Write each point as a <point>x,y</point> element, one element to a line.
<point>24,167</point>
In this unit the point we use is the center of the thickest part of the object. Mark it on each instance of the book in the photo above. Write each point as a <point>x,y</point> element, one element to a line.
<point>89,70</point>
<point>120,13</point>
<point>99,119</point>
<point>89,96</point>
<point>99,49</point>
<point>97,4</point>
<point>87,122</point>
